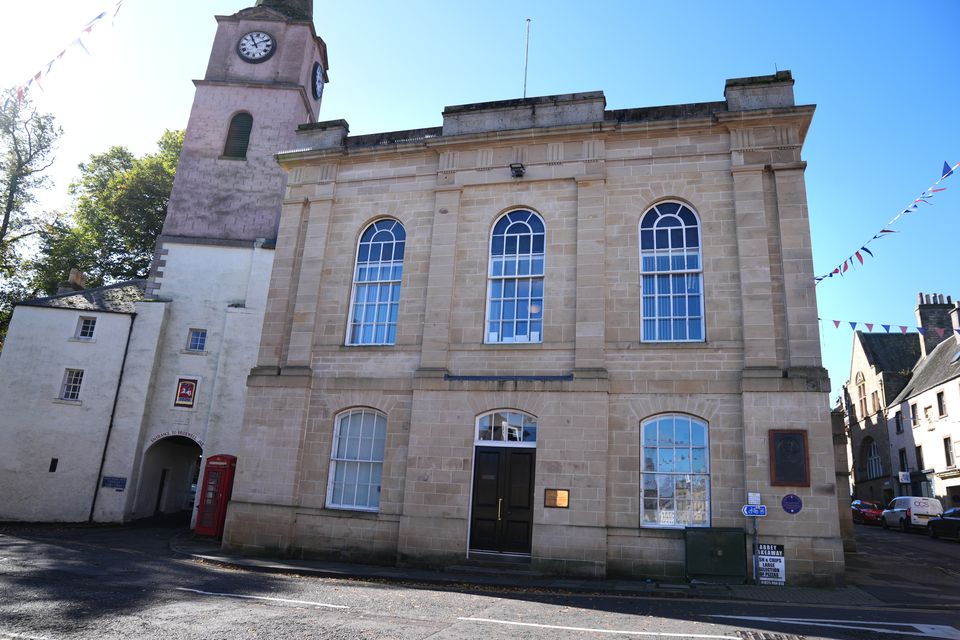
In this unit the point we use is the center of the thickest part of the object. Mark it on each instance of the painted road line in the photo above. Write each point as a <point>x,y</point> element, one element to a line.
<point>21,636</point>
<point>237,595</point>
<point>591,630</point>
<point>919,630</point>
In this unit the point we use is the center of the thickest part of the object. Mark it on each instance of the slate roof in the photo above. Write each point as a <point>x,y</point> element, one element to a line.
<point>892,352</point>
<point>940,366</point>
<point>114,298</point>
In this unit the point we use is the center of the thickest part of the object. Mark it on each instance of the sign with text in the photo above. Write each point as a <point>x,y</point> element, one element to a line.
<point>904,476</point>
<point>771,565</point>
<point>791,503</point>
<point>754,510</point>
<point>114,482</point>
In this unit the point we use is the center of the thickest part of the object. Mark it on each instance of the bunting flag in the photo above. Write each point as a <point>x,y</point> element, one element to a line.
<point>21,90</point>
<point>925,196</point>
<point>941,331</point>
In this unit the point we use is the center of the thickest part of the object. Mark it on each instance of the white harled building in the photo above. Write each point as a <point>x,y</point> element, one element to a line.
<point>112,397</point>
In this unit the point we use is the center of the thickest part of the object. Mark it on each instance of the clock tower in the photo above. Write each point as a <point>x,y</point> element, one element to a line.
<point>207,288</point>
<point>265,76</point>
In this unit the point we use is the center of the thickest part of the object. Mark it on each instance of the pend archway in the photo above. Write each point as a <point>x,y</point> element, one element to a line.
<point>167,477</point>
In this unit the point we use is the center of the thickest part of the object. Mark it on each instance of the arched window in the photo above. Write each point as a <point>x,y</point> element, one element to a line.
<point>238,136</point>
<point>356,460</point>
<point>874,465</point>
<point>515,279</point>
<point>376,284</point>
<point>671,274</point>
<point>675,481</point>
<point>507,428</point>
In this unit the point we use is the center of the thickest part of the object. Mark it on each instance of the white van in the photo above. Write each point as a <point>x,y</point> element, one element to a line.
<point>909,511</point>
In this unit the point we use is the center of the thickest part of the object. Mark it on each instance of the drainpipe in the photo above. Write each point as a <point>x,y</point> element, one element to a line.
<point>113,413</point>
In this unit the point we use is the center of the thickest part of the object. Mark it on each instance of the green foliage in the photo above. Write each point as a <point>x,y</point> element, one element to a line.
<point>120,202</point>
<point>27,140</point>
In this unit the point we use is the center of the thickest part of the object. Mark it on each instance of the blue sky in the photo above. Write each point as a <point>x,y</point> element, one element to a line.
<point>882,74</point>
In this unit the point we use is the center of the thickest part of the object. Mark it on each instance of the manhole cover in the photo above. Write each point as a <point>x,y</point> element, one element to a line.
<point>766,635</point>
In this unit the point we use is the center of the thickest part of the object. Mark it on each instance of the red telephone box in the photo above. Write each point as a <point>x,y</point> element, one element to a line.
<point>215,494</point>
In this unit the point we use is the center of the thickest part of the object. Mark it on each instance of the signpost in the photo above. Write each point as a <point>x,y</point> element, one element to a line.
<point>754,510</point>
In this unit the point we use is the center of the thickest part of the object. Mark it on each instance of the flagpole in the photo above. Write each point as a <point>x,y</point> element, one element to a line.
<point>526,59</point>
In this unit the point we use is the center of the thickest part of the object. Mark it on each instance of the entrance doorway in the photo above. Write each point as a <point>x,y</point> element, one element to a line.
<point>503,478</point>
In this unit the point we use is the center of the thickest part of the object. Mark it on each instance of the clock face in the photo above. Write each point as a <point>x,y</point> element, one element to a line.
<point>317,80</point>
<point>256,46</point>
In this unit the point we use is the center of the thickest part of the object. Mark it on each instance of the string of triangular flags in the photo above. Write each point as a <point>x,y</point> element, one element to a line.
<point>924,198</point>
<point>902,328</point>
<point>21,90</point>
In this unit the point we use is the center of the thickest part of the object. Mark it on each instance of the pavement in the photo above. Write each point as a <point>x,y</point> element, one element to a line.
<point>208,550</point>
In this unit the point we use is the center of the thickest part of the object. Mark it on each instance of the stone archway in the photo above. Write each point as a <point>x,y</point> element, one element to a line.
<point>167,477</point>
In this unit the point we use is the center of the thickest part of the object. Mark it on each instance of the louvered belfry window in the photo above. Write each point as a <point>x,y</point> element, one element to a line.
<point>238,136</point>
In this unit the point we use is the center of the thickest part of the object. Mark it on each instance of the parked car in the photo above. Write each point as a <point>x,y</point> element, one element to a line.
<point>910,511</point>
<point>946,525</point>
<point>865,512</point>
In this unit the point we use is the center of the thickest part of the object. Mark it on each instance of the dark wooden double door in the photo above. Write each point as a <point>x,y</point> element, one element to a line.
<point>502,520</point>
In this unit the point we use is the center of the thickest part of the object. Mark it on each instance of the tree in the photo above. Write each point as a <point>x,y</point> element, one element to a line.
<point>120,202</point>
<point>27,140</point>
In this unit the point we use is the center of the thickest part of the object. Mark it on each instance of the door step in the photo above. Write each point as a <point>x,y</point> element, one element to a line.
<point>499,569</point>
<point>496,563</point>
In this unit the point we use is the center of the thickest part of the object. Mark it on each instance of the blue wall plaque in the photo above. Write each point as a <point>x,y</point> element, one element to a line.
<point>791,503</point>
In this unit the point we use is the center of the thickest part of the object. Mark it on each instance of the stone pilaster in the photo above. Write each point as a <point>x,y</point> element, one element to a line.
<point>443,247</point>
<point>313,243</point>
<point>803,340</point>
<point>283,279</point>
<point>759,342</point>
<point>591,275</point>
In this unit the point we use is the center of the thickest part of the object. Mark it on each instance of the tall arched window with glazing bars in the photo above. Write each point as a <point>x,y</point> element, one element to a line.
<point>376,284</point>
<point>515,279</point>
<point>671,269</point>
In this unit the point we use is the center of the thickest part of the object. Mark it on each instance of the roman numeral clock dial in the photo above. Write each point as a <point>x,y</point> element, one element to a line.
<point>256,46</point>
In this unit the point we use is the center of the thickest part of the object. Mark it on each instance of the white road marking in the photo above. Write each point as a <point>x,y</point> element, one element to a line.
<point>237,595</point>
<point>591,630</point>
<point>21,636</point>
<point>922,630</point>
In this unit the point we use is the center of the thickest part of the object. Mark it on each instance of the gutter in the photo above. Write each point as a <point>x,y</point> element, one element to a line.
<point>113,413</point>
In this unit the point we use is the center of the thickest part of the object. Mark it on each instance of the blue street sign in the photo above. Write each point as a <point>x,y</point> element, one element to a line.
<point>754,510</point>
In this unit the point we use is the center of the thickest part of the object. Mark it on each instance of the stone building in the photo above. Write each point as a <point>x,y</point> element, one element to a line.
<point>880,367</point>
<point>922,420</point>
<point>902,437</point>
<point>543,332</point>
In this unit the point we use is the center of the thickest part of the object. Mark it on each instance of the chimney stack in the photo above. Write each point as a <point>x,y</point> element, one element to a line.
<point>937,318</point>
<point>75,282</point>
